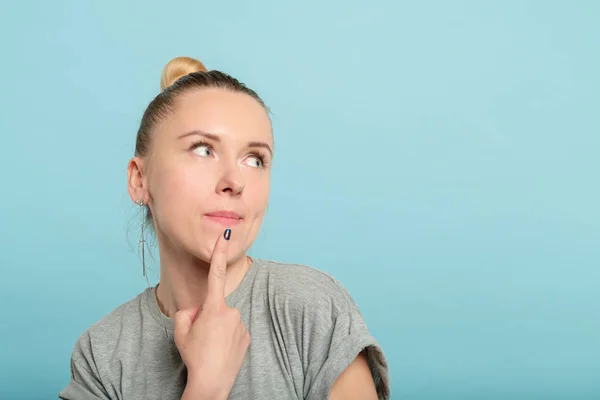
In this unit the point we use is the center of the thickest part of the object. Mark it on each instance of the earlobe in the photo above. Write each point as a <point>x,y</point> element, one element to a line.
<point>135,180</point>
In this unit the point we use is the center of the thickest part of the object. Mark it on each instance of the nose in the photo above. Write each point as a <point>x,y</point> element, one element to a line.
<point>232,182</point>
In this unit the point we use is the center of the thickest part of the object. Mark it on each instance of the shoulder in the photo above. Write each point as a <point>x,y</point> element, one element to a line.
<point>303,285</point>
<point>321,318</point>
<point>305,299</point>
<point>103,335</point>
<point>91,372</point>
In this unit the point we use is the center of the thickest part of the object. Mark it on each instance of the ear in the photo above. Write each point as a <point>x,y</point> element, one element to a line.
<point>136,182</point>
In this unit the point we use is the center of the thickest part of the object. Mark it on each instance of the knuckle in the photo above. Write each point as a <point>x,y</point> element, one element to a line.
<point>233,316</point>
<point>218,272</point>
<point>209,308</point>
<point>235,313</point>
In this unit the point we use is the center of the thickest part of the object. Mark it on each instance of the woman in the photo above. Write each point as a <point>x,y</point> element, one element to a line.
<point>220,325</point>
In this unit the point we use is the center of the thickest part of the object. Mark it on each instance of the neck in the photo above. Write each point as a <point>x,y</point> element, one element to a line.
<point>184,278</point>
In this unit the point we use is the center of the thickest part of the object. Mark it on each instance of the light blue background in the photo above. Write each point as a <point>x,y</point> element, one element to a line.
<point>440,158</point>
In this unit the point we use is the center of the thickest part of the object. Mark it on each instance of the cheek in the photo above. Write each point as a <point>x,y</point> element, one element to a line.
<point>257,193</point>
<point>180,190</point>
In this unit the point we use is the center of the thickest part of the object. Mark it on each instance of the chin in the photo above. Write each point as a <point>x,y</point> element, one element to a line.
<point>205,251</point>
<point>200,243</point>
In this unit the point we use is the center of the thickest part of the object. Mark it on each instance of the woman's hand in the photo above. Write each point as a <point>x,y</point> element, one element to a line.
<point>212,340</point>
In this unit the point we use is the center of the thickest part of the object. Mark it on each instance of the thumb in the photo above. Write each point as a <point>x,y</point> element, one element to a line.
<point>183,321</point>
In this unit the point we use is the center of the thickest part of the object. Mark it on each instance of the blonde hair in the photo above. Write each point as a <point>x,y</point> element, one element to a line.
<point>177,68</point>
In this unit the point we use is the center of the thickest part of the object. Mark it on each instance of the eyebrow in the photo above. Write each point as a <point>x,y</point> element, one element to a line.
<point>217,139</point>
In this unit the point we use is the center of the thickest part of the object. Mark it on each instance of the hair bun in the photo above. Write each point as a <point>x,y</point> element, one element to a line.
<point>178,67</point>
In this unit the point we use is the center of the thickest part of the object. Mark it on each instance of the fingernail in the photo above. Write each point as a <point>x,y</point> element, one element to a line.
<point>227,234</point>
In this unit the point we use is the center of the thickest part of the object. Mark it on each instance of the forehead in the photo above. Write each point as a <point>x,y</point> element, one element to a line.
<point>233,115</point>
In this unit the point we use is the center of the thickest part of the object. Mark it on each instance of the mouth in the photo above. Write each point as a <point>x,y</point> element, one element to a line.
<point>225,218</point>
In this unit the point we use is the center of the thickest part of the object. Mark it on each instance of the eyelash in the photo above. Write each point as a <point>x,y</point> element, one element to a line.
<point>200,143</point>
<point>261,156</point>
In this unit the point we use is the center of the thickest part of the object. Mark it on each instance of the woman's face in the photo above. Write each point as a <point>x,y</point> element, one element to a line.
<point>208,170</point>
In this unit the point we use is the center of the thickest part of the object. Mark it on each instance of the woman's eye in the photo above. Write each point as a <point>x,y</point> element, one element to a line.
<point>255,162</point>
<point>203,151</point>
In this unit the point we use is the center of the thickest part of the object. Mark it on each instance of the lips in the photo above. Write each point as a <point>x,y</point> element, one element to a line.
<point>225,218</point>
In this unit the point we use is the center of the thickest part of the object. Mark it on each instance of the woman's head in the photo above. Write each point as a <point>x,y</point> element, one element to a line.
<point>202,160</point>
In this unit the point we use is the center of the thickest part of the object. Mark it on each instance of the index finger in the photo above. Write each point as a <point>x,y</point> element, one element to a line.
<point>218,270</point>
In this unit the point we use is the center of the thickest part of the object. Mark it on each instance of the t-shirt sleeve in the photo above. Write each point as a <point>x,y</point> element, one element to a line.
<point>335,351</point>
<point>84,383</point>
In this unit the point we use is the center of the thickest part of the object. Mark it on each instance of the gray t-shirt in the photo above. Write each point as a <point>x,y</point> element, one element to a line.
<point>305,331</point>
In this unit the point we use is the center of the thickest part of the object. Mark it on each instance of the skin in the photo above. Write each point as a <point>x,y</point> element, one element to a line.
<point>181,182</point>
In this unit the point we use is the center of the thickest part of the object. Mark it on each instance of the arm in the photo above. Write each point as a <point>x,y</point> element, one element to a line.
<point>83,385</point>
<point>343,360</point>
<point>356,382</point>
<point>85,382</point>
